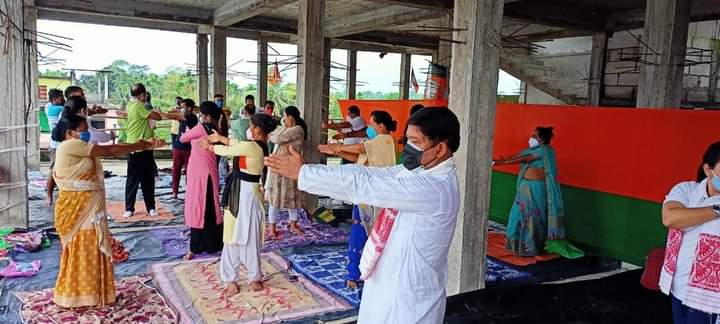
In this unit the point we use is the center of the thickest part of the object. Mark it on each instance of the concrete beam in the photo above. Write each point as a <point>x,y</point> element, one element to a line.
<point>352,73</point>
<point>420,4</point>
<point>665,33</point>
<point>219,60</point>
<point>597,68</point>
<point>115,21</point>
<point>405,66</point>
<point>202,67</point>
<point>234,11</point>
<point>262,71</point>
<point>473,81</point>
<point>377,19</point>
<point>311,43</point>
<point>550,14</point>
<point>700,10</point>
<point>130,8</point>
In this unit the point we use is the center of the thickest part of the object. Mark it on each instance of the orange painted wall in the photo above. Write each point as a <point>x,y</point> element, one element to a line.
<point>638,153</point>
<point>398,109</point>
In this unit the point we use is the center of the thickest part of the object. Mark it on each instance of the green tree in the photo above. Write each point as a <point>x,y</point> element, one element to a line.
<point>55,74</point>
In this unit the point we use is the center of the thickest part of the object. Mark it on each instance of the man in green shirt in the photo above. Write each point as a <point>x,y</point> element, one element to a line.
<point>141,164</point>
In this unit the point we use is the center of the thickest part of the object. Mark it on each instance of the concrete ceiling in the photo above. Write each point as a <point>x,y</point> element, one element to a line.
<point>393,22</point>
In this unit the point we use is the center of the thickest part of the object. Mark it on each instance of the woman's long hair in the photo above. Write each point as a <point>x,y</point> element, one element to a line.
<point>67,123</point>
<point>294,112</point>
<point>211,109</point>
<point>711,158</point>
<point>384,118</point>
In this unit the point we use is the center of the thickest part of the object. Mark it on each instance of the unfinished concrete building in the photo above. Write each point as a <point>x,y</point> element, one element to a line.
<point>644,53</point>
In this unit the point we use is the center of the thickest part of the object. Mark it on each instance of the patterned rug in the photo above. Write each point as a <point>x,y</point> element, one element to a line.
<point>175,241</point>
<point>117,208</point>
<point>136,303</point>
<point>496,249</point>
<point>326,266</point>
<point>194,289</point>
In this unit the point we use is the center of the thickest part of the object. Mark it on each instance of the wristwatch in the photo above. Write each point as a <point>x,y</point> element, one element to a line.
<point>716,209</point>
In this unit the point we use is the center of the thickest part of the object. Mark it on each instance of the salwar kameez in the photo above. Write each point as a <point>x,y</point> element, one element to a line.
<point>243,213</point>
<point>85,277</point>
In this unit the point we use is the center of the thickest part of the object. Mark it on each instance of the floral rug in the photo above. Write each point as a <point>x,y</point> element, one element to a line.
<point>194,289</point>
<point>136,303</point>
<point>117,208</point>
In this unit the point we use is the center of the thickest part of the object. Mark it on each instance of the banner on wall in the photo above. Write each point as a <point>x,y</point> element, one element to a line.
<point>398,109</point>
<point>436,84</point>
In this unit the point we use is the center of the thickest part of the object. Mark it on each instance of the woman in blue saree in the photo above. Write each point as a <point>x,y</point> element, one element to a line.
<point>537,212</point>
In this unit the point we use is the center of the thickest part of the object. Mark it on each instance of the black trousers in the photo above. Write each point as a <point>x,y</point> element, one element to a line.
<point>209,238</point>
<point>140,172</point>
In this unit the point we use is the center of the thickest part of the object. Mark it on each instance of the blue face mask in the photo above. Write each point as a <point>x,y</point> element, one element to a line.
<point>219,103</point>
<point>715,180</point>
<point>371,132</point>
<point>85,136</point>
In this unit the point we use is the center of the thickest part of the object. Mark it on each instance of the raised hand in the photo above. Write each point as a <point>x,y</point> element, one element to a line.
<point>215,137</point>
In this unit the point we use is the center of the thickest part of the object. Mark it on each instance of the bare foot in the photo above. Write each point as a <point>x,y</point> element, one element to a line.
<point>273,232</point>
<point>174,196</point>
<point>189,256</point>
<point>256,285</point>
<point>352,284</point>
<point>296,229</point>
<point>231,289</point>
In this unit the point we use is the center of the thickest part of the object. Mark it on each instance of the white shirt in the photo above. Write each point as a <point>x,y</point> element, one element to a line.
<point>408,285</point>
<point>356,124</point>
<point>691,195</point>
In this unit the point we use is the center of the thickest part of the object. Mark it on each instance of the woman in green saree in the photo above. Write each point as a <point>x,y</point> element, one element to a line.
<point>537,212</point>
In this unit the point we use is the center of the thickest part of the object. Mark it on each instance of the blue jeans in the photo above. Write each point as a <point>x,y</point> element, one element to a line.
<point>686,315</point>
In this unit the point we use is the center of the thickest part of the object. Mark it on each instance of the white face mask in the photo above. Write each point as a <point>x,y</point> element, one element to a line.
<point>249,135</point>
<point>533,142</point>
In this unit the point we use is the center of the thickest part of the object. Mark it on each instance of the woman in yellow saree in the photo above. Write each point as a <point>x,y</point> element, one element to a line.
<point>86,275</point>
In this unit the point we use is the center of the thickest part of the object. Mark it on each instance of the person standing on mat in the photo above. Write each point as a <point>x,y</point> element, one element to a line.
<point>244,213</point>
<point>85,277</point>
<point>692,214</point>
<point>352,131</point>
<point>281,192</point>
<point>141,165</point>
<point>405,262</point>
<point>202,201</point>
<point>54,110</point>
<point>181,151</point>
<point>377,151</point>
<point>537,213</point>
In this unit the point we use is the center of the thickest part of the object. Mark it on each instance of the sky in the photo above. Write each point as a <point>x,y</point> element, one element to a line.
<point>96,46</point>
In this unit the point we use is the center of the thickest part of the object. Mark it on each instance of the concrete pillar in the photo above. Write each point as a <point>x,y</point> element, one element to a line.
<point>14,93</point>
<point>474,78</point>
<point>262,71</point>
<point>327,68</point>
<point>202,66</point>
<point>352,72</point>
<point>597,68</point>
<point>665,34</point>
<point>310,45</point>
<point>32,101</point>
<point>219,60</point>
<point>405,67</point>
<point>106,95</point>
<point>444,51</point>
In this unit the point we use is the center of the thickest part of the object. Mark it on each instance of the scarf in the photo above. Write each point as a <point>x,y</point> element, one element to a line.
<point>376,242</point>
<point>703,291</point>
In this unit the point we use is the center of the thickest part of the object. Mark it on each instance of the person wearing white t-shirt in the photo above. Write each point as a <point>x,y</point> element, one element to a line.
<point>690,273</point>
<point>352,131</point>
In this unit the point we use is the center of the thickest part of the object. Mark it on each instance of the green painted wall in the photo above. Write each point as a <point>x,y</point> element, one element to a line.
<point>601,223</point>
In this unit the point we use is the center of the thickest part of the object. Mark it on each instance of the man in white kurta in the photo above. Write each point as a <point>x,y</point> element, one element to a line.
<point>408,283</point>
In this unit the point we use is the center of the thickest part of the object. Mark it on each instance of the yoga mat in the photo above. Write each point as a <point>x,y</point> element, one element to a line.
<point>194,289</point>
<point>136,303</point>
<point>175,241</point>
<point>326,266</point>
<point>496,248</point>
<point>498,273</point>
<point>117,208</point>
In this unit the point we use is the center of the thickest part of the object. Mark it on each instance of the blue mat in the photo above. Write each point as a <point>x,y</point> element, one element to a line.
<point>324,265</point>
<point>498,273</point>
